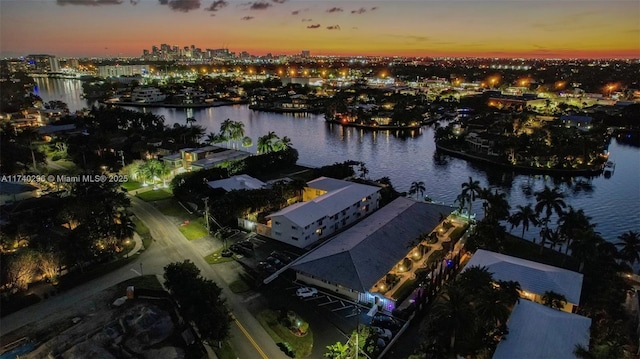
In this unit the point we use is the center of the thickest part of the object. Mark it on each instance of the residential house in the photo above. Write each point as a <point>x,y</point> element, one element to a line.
<point>535,278</point>
<point>237,183</point>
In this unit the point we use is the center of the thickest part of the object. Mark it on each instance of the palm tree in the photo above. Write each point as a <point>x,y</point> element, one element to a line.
<point>284,143</point>
<point>525,216</point>
<point>266,142</point>
<point>213,138</point>
<point>226,129</point>
<point>629,247</point>
<point>153,168</point>
<point>470,190</point>
<point>548,201</point>
<point>497,206</point>
<point>237,130</point>
<point>247,142</point>
<point>454,309</point>
<point>570,222</point>
<point>554,300</point>
<point>417,188</point>
<point>337,351</point>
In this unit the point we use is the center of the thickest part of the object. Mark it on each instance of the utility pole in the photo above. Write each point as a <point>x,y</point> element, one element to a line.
<point>206,212</point>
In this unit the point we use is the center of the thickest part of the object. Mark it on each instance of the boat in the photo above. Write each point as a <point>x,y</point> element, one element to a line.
<point>147,95</point>
<point>609,168</point>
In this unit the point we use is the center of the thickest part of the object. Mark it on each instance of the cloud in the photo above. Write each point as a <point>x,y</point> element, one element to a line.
<point>307,20</point>
<point>297,12</point>
<point>374,8</point>
<point>313,26</point>
<point>417,38</point>
<point>260,5</point>
<point>359,11</point>
<point>181,5</point>
<point>90,2</point>
<point>217,5</point>
<point>247,18</point>
<point>333,27</point>
<point>279,1</point>
<point>335,9</point>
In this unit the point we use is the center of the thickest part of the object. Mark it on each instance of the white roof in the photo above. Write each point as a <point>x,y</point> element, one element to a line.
<point>341,195</point>
<point>539,332</point>
<point>533,276</point>
<point>239,182</point>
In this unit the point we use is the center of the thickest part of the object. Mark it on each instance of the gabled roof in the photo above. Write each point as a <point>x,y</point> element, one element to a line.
<point>341,195</point>
<point>533,276</point>
<point>358,257</point>
<point>238,182</point>
<point>539,332</point>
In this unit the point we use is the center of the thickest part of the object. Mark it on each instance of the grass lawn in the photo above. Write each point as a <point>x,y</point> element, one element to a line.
<point>216,257</point>
<point>146,282</point>
<point>131,185</point>
<point>173,209</point>
<point>155,195</point>
<point>77,277</point>
<point>143,231</point>
<point>522,248</point>
<point>195,229</point>
<point>225,351</point>
<point>302,346</point>
<point>239,286</point>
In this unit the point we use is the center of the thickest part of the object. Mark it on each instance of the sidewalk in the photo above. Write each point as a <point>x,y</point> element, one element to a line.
<point>138,246</point>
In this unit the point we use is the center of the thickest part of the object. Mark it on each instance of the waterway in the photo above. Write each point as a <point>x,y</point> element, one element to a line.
<point>613,203</point>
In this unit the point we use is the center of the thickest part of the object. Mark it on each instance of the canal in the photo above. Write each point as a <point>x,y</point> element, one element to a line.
<point>612,202</point>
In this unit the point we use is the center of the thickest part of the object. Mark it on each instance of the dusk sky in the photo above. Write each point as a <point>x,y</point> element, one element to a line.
<point>497,28</point>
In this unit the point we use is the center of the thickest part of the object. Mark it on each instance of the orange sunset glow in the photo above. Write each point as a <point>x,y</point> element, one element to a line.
<point>524,28</point>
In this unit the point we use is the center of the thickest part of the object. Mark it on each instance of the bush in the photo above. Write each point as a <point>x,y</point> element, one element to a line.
<point>287,349</point>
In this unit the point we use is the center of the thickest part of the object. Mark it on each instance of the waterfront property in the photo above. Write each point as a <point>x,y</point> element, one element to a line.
<point>537,331</point>
<point>535,278</point>
<point>580,122</point>
<point>11,192</point>
<point>193,159</point>
<point>328,205</point>
<point>370,261</point>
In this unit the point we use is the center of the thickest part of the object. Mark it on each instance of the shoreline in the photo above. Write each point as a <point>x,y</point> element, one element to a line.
<point>522,169</point>
<point>170,105</point>
<point>374,128</point>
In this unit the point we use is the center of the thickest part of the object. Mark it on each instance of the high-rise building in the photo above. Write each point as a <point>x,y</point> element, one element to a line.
<point>306,53</point>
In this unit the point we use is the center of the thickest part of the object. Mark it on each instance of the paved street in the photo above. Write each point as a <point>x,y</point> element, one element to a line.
<point>169,246</point>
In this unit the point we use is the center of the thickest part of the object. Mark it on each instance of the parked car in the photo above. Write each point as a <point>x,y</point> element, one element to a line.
<point>306,292</point>
<point>385,322</point>
<point>245,244</point>
<point>275,262</point>
<point>382,333</point>
<point>240,249</point>
<point>266,267</point>
<point>281,256</point>
<point>227,253</point>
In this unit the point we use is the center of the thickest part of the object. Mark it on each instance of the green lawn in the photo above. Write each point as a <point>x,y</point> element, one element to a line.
<point>143,231</point>
<point>216,257</point>
<point>155,195</point>
<point>130,185</point>
<point>239,286</point>
<point>146,282</point>
<point>521,248</point>
<point>173,209</point>
<point>302,346</point>
<point>225,351</point>
<point>195,229</point>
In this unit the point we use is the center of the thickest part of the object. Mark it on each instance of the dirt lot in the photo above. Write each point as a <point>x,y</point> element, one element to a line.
<point>96,328</point>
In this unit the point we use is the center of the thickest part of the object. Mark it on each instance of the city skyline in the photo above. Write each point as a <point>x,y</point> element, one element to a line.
<point>520,28</point>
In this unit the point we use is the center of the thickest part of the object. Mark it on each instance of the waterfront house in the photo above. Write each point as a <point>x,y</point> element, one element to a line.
<point>582,123</point>
<point>536,331</point>
<point>237,183</point>
<point>535,278</point>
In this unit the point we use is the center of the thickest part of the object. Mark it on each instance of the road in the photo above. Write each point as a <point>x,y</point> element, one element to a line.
<point>248,338</point>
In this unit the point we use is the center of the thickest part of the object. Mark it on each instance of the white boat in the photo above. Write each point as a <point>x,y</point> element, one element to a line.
<point>147,95</point>
<point>609,166</point>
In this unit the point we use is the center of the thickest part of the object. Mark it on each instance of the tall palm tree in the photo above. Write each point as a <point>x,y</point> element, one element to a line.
<point>190,121</point>
<point>226,130</point>
<point>548,201</point>
<point>417,188</point>
<point>497,206</point>
<point>266,142</point>
<point>470,190</point>
<point>524,215</point>
<point>237,131</point>
<point>629,247</point>
<point>570,222</point>
<point>153,168</point>
<point>454,309</point>
<point>284,143</point>
<point>213,138</point>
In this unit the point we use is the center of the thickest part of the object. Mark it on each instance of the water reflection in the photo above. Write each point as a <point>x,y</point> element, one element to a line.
<point>412,156</point>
